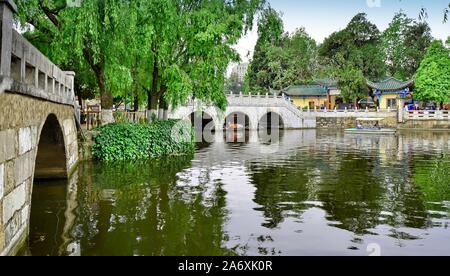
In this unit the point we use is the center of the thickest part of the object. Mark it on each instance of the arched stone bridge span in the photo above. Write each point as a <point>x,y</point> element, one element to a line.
<point>254,109</point>
<point>38,135</point>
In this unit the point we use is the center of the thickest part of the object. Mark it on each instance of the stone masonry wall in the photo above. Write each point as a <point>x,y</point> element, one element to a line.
<point>343,120</point>
<point>426,125</point>
<point>21,121</point>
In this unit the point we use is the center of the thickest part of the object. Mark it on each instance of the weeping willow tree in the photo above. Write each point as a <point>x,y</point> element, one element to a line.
<point>182,48</point>
<point>90,35</point>
<point>165,50</point>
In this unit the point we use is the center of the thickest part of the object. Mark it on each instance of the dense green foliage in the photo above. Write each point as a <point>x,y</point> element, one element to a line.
<point>352,84</point>
<point>432,80</point>
<point>270,31</point>
<point>182,48</point>
<point>280,60</point>
<point>350,56</point>
<point>358,45</point>
<point>169,50</point>
<point>165,50</point>
<point>404,44</point>
<point>90,39</point>
<point>126,141</point>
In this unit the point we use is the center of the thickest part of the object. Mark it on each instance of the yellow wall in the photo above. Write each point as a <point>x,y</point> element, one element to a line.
<point>333,102</point>
<point>384,100</point>
<point>304,102</point>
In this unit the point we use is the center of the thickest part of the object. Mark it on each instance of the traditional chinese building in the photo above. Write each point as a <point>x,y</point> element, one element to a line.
<point>333,92</point>
<point>307,96</point>
<point>323,94</point>
<point>388,92</point>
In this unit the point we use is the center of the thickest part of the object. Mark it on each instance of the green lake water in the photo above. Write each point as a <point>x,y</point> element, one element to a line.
<point>308,193</point>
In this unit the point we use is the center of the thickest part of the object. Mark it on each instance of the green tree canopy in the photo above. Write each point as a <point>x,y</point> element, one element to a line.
<point>280,60</point>
<point>357,45</point>
<point>270,33</point>
<point>92,35</point>
<point>432,79</point>
<point>166,50</point>
<point>186,46</point>
<point>404,45</point>
<point>352,83</point>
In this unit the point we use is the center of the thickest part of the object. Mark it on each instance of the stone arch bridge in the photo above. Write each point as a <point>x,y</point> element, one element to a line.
<point>38,134</point>
<point>251,111</point>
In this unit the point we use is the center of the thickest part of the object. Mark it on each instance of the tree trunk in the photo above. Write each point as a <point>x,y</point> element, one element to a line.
<point>152,103</point>
<point>106,100</point>
<point>136,104</point>
<point>162,107</point>
<point>105,96</point>
<point>165,110</point>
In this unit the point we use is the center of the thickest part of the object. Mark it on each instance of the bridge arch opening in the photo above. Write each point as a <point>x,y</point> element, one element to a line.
<point>237,120</point>
<point>237,126</point>
<point>271,120</point>
<point>49,191</point>
<point>202,121</point>
<point>51,153</point>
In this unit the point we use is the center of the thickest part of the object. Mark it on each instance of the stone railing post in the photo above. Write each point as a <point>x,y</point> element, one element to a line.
<point>7,9</point>
<point>400,110</point>
<point>70,78</point>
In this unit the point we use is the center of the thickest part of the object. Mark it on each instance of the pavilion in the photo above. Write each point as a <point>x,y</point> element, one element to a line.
<point>390,91</point>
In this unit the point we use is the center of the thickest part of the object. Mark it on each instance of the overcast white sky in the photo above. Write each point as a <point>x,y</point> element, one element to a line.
<point>323,17</point>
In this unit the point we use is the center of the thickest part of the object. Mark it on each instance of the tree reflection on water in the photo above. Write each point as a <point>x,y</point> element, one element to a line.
<point>320,192</point>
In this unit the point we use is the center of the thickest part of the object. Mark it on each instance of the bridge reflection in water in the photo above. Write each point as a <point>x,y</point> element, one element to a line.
<point>308,193</point>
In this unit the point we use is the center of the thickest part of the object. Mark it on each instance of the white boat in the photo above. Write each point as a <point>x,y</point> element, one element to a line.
<point>370,126</point>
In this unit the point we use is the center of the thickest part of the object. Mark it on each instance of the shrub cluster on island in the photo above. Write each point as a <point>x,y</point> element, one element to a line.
<point>129,141</point>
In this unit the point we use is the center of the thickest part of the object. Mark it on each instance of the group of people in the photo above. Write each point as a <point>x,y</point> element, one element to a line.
<point>375,126</point>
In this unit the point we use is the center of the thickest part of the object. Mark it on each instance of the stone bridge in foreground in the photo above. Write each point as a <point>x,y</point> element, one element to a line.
<point>38,135</point>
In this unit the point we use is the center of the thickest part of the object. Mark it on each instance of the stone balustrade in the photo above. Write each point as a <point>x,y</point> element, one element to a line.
<point>427,115</point>
<point>25,70</point>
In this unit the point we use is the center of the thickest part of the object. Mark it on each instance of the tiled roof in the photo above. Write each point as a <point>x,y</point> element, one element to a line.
<point>305,90</point>
<point>390,84</point>
<point>330,83</point>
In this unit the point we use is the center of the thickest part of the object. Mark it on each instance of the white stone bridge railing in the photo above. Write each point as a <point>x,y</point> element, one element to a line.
<point>258,100</point>
<point>273,100</point>
<point>423,115</point>
<point>25,70</point>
